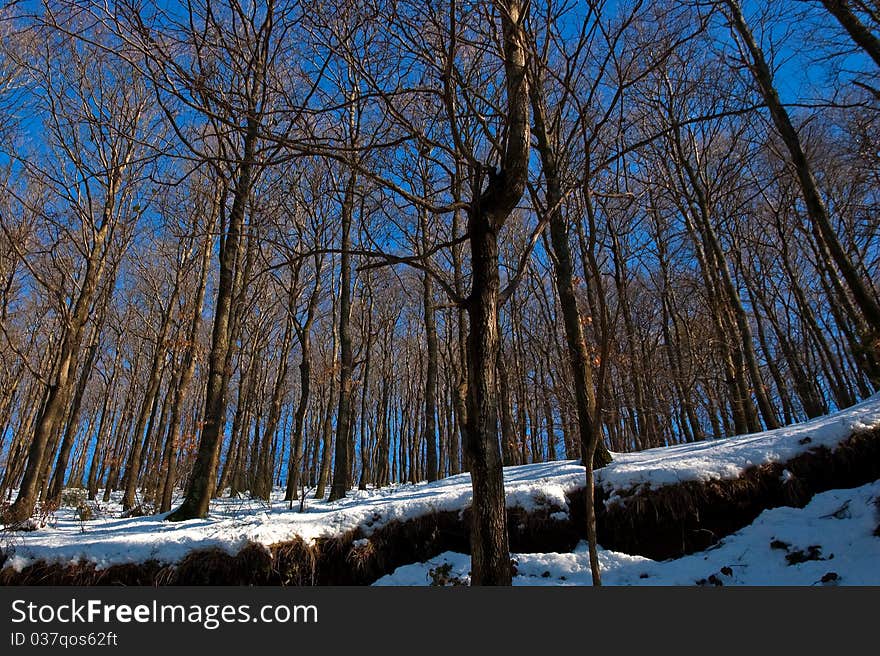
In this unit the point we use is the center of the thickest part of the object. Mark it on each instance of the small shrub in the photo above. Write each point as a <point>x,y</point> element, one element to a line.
<point>45,513</point>
<point>442,576</point>
<point>73,497</point>
<point>142,509</point>
<point>86,512</point>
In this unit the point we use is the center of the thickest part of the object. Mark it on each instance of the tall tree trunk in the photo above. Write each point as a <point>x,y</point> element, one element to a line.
<point>153,382</point>
<point>262,484</point>
<point>327,426</point>
<point>343,455</point>
<point>188,362</point>
<point>57,482</point>
<point>489,546</point>
<point>431,368</point>
<point>578,356</point>
<point>367,347</point>
<point>305,376</point>
<point>200,487</point>
<point>58,394</point>
<point>459,398</point>
<point>490,553</point>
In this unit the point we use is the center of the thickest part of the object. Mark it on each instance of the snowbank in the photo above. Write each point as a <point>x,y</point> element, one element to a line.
<point>233,523</point>
<point>111,540</point>
<point>831,541</point>
<point>729,457</point>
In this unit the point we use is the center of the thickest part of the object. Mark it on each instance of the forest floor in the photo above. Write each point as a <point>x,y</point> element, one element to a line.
<point>749,473</point>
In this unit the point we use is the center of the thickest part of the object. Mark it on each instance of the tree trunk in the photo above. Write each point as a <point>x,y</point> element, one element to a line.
<point>431,368</point>
<point>58,394</point>
<point>57,482</point>
<point>153,383</point>
<point>343,459</point>
<point>489,547</point>
<point>578,355</point>
<point>200,487</point>
<point>305,375</point>
<point>188,363</point>
<point>262,484</point>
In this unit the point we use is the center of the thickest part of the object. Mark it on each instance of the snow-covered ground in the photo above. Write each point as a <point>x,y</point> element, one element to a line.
<point>831,541</point>
<point>727,458</point>
<point>110,539</point>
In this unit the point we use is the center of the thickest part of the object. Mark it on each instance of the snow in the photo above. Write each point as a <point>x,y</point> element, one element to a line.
<point>727,458</point>
<point>232,523</point>
<point>833,536</point>
<point>110,539</point>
